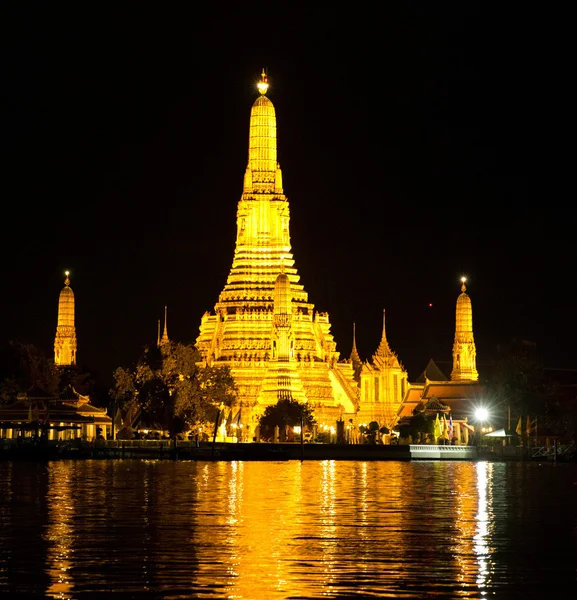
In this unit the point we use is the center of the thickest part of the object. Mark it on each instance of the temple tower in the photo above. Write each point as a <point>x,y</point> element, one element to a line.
<point>384,382</point>
<point>65,340</point>
<point>464,352</point>
<point>263,322</point>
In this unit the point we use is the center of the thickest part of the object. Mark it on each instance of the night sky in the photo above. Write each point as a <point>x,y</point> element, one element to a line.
<point>414,148</point>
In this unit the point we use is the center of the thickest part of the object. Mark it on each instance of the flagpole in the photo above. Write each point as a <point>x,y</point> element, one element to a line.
<point>509,419</point>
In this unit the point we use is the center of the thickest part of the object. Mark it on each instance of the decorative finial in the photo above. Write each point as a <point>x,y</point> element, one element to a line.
<point>282,264</point>
<point>262,85</point>
<point>463,286</point>
<point>67,280</point>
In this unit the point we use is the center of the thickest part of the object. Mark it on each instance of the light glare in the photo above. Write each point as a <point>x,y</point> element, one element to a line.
<point>481,414</point>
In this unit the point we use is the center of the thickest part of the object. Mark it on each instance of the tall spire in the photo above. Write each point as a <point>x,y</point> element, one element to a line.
<point>384,349</point>
<point>355,358</point>
<point>263,244</point>
<point>354,352</point>
<point>158,335</point>
<point>464,351</point>
<point>164,339</point>
<point>65,340</point>
<point>263,174</point>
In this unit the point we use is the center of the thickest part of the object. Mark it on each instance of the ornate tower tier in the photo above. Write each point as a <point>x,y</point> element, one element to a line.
<point>464,352</point>
<point>65,340</point>
<point>263,321</point>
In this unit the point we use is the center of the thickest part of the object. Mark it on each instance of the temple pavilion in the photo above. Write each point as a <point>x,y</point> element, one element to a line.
<point>66,415</point>
<point>383,383</point>
<point>263,326</point>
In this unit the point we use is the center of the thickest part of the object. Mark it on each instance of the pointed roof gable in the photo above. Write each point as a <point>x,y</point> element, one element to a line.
<point>35,393</point>
<point>431,373</point>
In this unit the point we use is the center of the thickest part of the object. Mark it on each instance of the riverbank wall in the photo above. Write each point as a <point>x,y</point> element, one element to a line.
<point>189,450</point>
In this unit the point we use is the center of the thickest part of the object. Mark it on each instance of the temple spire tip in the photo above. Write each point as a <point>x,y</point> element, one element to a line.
<point>463,286</point>
<point>67,280</point>
<point>262,85</point>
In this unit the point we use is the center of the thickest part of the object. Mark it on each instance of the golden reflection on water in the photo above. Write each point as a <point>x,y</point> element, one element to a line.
<point>60,535</point>
<point>260,530</point>
<point>484,524</point>
<point>465,520</point>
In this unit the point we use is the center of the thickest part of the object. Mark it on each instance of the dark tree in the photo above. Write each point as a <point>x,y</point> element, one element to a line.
<point>85,382</point>
<point>171,388</point>
<point>371,432</point>
<point>560,418</point>
<point>24,367</point>
<point>285,412</point>
<point>517,380</point>
<point>418,426</point>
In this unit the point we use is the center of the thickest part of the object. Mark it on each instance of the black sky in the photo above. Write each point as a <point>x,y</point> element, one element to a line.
<point>414,147</point>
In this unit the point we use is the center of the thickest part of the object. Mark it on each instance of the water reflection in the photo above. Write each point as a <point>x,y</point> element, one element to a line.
<point>484,524</point>
<point>59,532</point>
<point>164,529</point>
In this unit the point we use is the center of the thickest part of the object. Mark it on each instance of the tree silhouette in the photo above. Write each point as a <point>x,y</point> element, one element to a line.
<point>172,389</point>
<point>285,412</point>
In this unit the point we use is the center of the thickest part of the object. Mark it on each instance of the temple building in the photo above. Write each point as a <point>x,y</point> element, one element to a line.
<point>263,326</point>
<point>62,416</point>
<point>68,415</point>
<point>433,392</point>
<point>383,383</point>
<point>65,340</point>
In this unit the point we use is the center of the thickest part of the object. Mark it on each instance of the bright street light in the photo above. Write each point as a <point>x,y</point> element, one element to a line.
<point>481,414</point>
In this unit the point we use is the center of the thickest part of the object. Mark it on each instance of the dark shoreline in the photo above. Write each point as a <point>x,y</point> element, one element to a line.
<point>168,450</point>
<point>207,451</point>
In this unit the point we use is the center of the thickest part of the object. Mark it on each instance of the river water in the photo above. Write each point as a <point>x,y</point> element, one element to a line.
<point>288,529</point>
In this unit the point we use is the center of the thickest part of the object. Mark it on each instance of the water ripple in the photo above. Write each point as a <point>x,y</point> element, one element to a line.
<point>316,529</point>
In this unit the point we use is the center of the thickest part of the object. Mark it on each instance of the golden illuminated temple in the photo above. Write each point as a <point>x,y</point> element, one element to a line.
<point>65,340</point>
<point>464,352</point>
<point>263,326</point>
<point>383,382</point>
